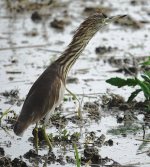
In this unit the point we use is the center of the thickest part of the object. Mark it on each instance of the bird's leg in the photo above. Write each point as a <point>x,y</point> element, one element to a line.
<point>46,137</point>
<point>36,138</point>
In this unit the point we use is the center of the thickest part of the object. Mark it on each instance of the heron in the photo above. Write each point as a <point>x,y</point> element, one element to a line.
<point>47,92</point>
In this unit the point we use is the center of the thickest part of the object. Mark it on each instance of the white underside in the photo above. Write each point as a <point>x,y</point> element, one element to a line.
<point>61,96</point>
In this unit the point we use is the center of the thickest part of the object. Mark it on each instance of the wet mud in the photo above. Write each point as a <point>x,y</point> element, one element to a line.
<point>96,119</point>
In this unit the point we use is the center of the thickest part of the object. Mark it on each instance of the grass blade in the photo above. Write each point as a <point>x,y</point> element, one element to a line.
<point>133,95</point>
<point>78,159</point>
<point>146,78</point>
<point>4,114</point>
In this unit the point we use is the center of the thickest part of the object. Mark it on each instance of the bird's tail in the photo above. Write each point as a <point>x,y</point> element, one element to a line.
<point>19,128</point>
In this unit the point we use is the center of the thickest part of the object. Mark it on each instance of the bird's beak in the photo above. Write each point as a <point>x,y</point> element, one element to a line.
<point>114,18</point>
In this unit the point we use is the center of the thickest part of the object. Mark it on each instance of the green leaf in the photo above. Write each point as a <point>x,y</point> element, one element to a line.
<point>134,94</point>
<point>144,88</point>
<point>147,73</point>
<point>119,82</point>
<point>147,79</point>
<point>146,63</point>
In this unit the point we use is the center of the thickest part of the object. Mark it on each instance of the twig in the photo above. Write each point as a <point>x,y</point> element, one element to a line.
<point>86,95</point>
<point>79,108</point>
<point>136,164</point>
<point>30,46</point>
<point>144,140</point>
<point>143,127</point>
<point>143,152</point>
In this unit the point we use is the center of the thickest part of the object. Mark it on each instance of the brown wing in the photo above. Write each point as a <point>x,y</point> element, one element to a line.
<point>42,96</point>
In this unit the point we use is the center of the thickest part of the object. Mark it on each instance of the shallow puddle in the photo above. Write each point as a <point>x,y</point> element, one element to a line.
<point>29,44</point>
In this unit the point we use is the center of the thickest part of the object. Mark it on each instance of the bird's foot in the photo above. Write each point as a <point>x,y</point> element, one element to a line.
<point>36,138</point>
<point>47,138</point>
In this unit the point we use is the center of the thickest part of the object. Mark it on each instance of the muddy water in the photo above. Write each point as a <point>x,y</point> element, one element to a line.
<point>27,48</point>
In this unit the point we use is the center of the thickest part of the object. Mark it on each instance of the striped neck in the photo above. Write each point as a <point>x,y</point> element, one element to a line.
<point>74,49</point>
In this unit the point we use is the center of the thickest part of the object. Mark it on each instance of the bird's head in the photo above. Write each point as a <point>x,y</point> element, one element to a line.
<point>99,20</point>
<point>93,23</point>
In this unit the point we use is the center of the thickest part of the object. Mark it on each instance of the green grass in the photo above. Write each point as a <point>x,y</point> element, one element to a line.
<point>5,113</point>
<point>124,130</point>
<point>77,157</point>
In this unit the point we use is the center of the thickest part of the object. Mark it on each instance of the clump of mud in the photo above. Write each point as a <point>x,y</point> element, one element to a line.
<point>112,100</point>
<point>12,97</point>
<point>92,157</point>
<point>118,102</point>
<point>93,109</point>
<point>7,162</point>
<point>59,24</point>
<point>102,50</point>
<point>36,17</point>
<point>49,158</point>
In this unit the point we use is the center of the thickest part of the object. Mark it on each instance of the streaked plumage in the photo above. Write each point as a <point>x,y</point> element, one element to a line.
<point>48,90</point>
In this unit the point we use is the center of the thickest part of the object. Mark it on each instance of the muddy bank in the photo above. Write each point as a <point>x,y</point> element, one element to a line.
<point>112,131</point>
